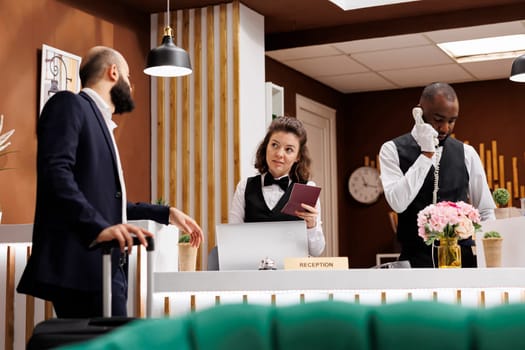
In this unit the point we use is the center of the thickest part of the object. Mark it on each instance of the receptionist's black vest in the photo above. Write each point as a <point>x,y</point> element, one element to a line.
<point>453,185</point>
<point>256,209</point>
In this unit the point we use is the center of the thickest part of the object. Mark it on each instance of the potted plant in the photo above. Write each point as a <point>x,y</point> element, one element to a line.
<point>187,253</point>
<point>492,242</point>
<point>501,197</point>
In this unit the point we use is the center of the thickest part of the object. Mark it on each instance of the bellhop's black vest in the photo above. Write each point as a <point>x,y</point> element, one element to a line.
<point>453,185</point>
<point>256,209</point>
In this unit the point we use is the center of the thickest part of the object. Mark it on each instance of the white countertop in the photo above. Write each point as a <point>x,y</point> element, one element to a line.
<point>338,279</point>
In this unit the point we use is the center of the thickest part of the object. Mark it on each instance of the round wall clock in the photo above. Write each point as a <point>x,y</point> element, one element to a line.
<point>365,185</point>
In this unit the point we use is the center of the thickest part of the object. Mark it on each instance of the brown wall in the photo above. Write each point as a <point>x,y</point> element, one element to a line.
<point>73,28</point>
<point>489,110</point>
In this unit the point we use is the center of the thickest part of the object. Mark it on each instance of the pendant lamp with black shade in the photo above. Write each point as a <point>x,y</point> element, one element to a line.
<point>517,73</point>
<point>168,60</point>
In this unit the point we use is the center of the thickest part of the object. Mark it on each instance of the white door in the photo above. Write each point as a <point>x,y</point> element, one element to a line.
<point>319,122</point>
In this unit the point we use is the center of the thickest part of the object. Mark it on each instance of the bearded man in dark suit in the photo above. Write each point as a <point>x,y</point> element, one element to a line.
<point>81,195</point>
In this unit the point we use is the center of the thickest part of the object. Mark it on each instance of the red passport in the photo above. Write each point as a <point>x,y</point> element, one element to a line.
<point>301,194</point>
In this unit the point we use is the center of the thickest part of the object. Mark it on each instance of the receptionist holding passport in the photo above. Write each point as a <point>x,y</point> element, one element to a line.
<point>282,159</point>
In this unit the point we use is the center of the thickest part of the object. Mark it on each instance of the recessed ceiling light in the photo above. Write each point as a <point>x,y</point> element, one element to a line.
<point>499,47</point>
<point>358,4</point>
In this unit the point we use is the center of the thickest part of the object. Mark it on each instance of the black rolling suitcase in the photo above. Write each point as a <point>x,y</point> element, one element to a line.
<point>56,332</point>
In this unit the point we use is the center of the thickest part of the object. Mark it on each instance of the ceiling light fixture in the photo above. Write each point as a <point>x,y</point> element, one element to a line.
<point>168,60</point>
<point>485,49</point>
<point>517,73</point>
<point>358,4</point>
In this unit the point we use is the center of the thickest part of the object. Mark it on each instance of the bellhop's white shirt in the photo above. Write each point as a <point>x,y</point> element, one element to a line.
<point>272,194</point>
<point>401,189</point>
<point>108,115</point>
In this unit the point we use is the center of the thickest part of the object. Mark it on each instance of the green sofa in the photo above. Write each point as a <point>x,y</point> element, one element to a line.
<point>326,325</point>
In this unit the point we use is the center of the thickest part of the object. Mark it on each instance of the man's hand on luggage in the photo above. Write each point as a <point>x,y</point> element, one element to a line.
<point>123,233</point>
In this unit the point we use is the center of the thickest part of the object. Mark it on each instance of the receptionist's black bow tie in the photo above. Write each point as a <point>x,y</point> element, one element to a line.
<point>282,182</point>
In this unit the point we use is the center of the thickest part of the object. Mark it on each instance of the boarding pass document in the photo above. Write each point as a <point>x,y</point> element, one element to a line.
<point>301,194</point>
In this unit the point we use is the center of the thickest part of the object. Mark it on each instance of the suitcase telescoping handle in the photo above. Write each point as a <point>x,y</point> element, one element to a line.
<point>106,274</point>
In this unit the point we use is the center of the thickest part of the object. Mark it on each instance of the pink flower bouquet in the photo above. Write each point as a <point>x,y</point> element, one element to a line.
<point>448,220</point>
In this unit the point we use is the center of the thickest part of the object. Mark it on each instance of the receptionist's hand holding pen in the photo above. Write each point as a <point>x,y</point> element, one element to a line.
<point>309,215</point>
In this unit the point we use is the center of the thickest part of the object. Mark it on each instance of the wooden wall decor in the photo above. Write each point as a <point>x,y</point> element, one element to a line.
<point>197,118</point>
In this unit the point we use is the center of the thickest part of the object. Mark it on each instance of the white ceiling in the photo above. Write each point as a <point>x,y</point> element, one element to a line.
<point>397,62</point>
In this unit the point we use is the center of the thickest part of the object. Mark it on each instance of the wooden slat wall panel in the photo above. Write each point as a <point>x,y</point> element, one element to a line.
<point>160,125</point>
<point>501,161</point>
<point>186,154</point>
<point>139,306</point>
<point>48,310</point>
<point>10,299</point>
<point>210,142</point>
<point>488,170</point>
<point>173,133</point>
<point>224,125</point>
<point>236,84</point>
<point>495,172</point>
<point>197,123</point>
<point>482,153</point>
<point>30,307</point>
<point>197,112</point>
<point>211,36</point>
<point>515,179</point>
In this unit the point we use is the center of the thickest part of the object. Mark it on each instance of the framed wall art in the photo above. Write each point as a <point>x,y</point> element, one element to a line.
<point>59,71</point>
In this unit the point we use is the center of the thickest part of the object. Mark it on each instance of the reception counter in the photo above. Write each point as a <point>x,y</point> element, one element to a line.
<point>184,292</point>
<point>178,293</point>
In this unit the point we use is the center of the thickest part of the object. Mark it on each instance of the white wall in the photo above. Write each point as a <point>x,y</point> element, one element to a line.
<point>252,88</point>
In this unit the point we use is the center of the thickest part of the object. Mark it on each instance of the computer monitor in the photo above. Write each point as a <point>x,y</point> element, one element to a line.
<point>243,246</point>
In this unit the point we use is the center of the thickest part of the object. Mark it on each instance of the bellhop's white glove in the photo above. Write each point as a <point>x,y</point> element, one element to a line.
<point>424,134</point>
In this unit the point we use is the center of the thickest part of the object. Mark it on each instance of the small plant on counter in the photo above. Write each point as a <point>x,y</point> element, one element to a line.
<point>184,238</point>
<point>491,234</point>
<point>501,196</point>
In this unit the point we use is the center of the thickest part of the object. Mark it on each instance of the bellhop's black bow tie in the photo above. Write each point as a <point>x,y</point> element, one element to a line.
<point>282,182</point>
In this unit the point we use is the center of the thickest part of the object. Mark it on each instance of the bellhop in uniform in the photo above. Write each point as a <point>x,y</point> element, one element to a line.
<point>427,166</point>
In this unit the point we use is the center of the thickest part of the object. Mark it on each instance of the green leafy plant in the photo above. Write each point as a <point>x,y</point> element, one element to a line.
<point>491,234</point>
<point>184,238</point>
<point>501,196</point>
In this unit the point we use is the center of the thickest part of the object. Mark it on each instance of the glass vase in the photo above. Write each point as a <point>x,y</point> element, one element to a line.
<point>449,253</point>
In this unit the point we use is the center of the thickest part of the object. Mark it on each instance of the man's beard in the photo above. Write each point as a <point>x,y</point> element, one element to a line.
<point>121,97</point>
<point>442,141</point>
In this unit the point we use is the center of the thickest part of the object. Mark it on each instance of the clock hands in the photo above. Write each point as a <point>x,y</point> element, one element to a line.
<point>366,184</point>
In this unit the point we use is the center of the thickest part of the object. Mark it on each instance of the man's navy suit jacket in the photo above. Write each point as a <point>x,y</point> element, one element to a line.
<point>78,195</point>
